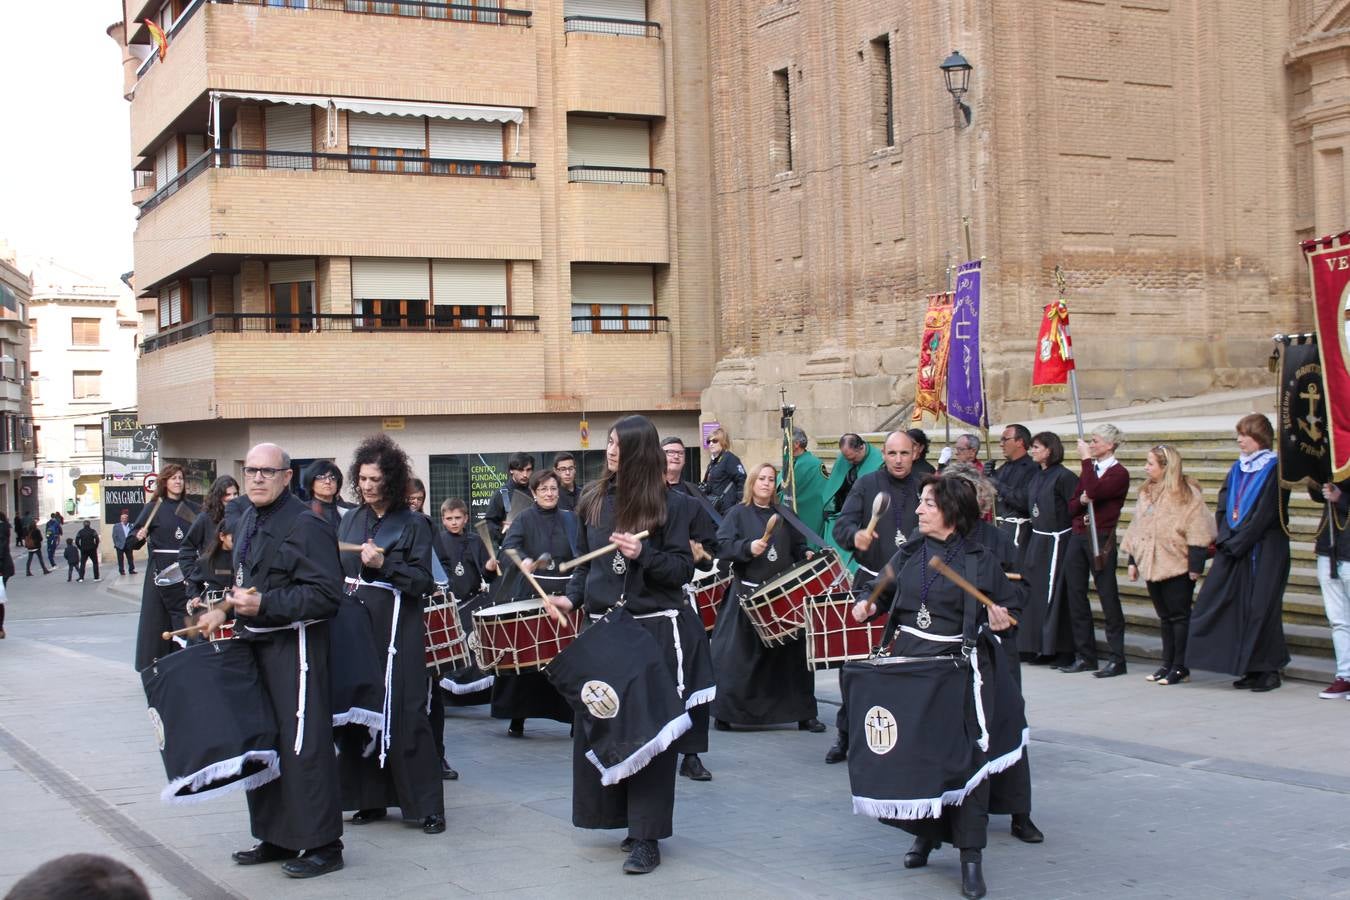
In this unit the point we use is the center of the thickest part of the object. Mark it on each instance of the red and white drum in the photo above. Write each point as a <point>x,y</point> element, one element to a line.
<point>705,593</point>
<point>833,637</point>
<point>446,643</point>
<point>777,610</point>
<point>520,636</point>
<point>209,600</point>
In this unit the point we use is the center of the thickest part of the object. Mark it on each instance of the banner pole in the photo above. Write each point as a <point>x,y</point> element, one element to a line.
<point>1078,415</point>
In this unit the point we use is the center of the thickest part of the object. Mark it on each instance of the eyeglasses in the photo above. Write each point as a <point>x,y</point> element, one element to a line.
<point>327,476</point>
<point>267,472</point>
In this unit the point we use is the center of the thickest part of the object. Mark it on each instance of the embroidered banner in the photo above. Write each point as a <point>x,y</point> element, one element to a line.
<point>1054,351</point>
<point>965,382</point>
<point>933,355</point>
<point>1329,265</point>
<point>1303,415</point>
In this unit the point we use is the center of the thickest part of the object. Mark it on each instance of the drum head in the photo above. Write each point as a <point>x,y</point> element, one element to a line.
<point>171,574</point>
<point>514,609</point>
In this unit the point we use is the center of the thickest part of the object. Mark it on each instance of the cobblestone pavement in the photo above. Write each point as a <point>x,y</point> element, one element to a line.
<point>1194,791</point>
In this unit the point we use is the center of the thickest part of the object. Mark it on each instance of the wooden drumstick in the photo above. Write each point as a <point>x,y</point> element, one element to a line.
<point>349,547</point>
<point>529,576</point>
<point>154,508</point>
<point>883,581</point>
<point>485,536</point>
<point>182,632</point>
<point>941,567</point>
<point>880,503</point>
<point>225,604</point>
<point>769,527</point>
<point>587,557</point>
<point>700,555</point>
<point>1012,576</point>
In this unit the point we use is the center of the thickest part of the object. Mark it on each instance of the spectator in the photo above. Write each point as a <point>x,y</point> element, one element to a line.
<point>1333,574</point>
<point>85,876</point>
<point>55,524</point>
<point>965,449</point>
<point>87,541</point>
<point>6,557</point>
<point>724,479</point>
<point>921,465</point>
<point>126,557</point>
<point>72,557</point>
<point>1168,542</point>
<point>33,543</point>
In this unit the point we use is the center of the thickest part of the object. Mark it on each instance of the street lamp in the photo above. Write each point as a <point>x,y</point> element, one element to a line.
<point>956,72</point>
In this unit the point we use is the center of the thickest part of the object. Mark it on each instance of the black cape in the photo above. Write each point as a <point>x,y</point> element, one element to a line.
<point>1044,628</point>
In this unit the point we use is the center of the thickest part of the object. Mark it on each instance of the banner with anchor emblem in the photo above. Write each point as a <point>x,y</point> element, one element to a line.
<point>1329,267</point>
<point>1303,448</point>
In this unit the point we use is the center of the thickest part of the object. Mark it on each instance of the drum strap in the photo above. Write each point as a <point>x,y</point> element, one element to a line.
<point>803,529</point>
<point>390,653</point>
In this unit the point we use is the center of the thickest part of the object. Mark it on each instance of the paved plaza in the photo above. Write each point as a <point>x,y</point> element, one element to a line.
<point>1194,791</point>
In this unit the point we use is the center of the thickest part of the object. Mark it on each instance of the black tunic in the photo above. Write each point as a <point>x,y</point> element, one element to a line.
<point>1044,628</point>
<point>567,499</point>
<point>1237,625</point>
<point>535,531</point>
<point>758,685</point>
<point>644,803</point>
<point>203,573</point>
<point>411,775</point>
<point>464,557</point>
<point>896,524</point>
<point>1012,479</point>
<point>292,561</point>
<point>162,608</point>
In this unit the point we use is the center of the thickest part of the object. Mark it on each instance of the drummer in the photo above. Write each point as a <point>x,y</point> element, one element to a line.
<point>759,685</point>
<point>162,524</point>
<point>390,576</point>
<point>934,617</point>
<point>470,571</point>
<point>201,545</point>
<point>543,535</point>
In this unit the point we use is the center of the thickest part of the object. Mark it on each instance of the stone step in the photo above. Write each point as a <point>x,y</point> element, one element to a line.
<point>1310,640</point>
<point>1146,648</point>
<point>1301,606</point>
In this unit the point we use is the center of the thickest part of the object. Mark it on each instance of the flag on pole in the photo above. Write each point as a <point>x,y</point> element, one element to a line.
<point>159,37</point>
<point>1329,266</point>
<point>934,351</point>
<point>965,384</point>
<point>1054,351</point>
<point>1302,414</point>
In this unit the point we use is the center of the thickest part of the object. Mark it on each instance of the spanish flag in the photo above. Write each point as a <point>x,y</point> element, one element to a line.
<point>159,37</point>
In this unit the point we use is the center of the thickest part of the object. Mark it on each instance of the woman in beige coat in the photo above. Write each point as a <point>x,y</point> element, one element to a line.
<point>1168,542</point>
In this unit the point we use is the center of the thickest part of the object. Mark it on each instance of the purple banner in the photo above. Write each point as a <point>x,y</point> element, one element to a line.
<point>965,385</point>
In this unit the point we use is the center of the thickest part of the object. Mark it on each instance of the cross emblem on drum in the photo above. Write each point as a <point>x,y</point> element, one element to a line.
<point>882,732</point>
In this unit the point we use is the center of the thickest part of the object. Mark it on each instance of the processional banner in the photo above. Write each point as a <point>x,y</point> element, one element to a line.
<point>965,383</point>
<point>1329,265</point>
<point>934,352</point>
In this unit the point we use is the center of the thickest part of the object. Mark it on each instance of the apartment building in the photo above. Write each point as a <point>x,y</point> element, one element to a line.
<point>473,225</point>
<point>18,475</point>
<point>85,339</point>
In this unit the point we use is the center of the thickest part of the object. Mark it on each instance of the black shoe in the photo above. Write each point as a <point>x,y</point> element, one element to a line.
<point>917,857</point>
<point>433,824</point>
<point>1158,675</point>
<point>644,857</point>
<point>516,728</point>
<point>263,852</point>
<point>315,862</point>
<point>813,725</point>
<point>972,880</point>
<point>447,773</point>
<point>1110,670</point>
<point>1267,681</point>
<point>133,571</point>
<point>1025,830</point>
<point>366,816</point>
<point>1079,665</point>
<point>1176,676</point>
<point>1246,681</point>
<point>838,753</point>
<point>692,767</point>
<point>626,845</point>
<point>720,725</point>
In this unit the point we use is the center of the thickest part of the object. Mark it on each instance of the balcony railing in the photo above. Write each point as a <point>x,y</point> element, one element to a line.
<point>312,323</point>
<point>380,161</point>
<point>620,324</point>
<point>602,25</point>
<point>615,175</point>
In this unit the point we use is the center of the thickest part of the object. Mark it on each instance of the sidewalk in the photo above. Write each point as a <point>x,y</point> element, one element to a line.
<point>1192,791</point>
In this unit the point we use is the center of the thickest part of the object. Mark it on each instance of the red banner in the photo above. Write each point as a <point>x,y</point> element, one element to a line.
<point>1054,351</point>
<point>931,377</point>
<point>1329,264</point>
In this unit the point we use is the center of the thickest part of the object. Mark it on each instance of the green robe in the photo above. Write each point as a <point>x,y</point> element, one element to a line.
<point>870,463</point>
<point>809,473</point>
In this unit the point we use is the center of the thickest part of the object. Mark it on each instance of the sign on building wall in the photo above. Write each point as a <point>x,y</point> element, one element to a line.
<point>119,496</point>
<point>128,446</point>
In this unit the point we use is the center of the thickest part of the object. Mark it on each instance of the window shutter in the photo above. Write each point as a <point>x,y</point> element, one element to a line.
<point>454,139</point>
<point>633,10</point>
<point>284,271</point>
<point>195,145</point>
<point>605,142</point>
<point>289,131</point>
<point>380,278</point>
<point>201,298</point>
<point>469,282</point>
<point>161,167</point>
<point>84,332</point>
<point>391,132</point>
<point>611,285</point>
<point>175,305</point>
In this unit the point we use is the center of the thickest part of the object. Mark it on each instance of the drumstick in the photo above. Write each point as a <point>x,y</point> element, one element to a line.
<point>700,554</point>
<point>486,537</point>
<point>883,581</point>
<point>587,557</point>
<point>154,508</point>
<point>182,632</point>
<point>769,527</point>
<point>553,612</point>
<point>880,503</point>
<point>348,547</point>
<point>1012,576</point>
<point>938,565</point>
<point>225,604</point>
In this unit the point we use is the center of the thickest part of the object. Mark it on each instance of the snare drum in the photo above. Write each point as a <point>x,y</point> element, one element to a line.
<point>777,610</point>
<point>705,593</point>
<point>520,636</point>
<point>446,644</point>
<point>833,637</point>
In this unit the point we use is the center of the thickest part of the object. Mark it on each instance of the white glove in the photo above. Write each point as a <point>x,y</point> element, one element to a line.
<point>945,456</point>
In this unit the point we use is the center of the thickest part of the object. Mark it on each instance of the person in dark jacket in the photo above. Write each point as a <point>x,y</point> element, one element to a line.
<point>87,541</point>
<point>512,497</point>
<point>6,556</point>
<point>724,479</point>
<point>1333,575</point>
<point>197,556</point>
<point>322,483</point>
<point>72,558</point>
<point>33,543</point>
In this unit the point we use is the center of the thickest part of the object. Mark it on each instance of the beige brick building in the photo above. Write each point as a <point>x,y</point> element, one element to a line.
<point>18,473</point>
<point>1169,154</point>
<point>467,223</point>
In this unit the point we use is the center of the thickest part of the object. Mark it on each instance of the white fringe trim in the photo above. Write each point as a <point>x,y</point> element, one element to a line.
<point>646,753</point>
<point>228,768</point>
<point>458,689</point>
<point>1009,759</point>
<point>917,809</point>
<point>698,698</point>
<point>358,716</point>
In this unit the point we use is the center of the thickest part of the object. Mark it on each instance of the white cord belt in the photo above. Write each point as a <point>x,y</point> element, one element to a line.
<point>303,675</point>
<point>672,615</point>
<point>1054,561</point>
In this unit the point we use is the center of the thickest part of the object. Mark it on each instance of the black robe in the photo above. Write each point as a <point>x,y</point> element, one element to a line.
<point>1012,479</point>
<point>1044,628</point>
<point>568,499</point>
<point>703,529</point>
<point>758,685</point>
<point>530,695</point>
<point>292,561</point>
<point>644,802</point>
<point>895,525</point>
<point>162,608</point>
<point>411,775</point>
<point>463,557</point>
<point>1237,625</point>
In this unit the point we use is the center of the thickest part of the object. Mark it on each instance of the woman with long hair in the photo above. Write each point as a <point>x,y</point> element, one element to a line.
<point>200,557</point>
<point>646,575</point>
<point>162,524</point>
<point>1044,635</point>
<point>759,685</point>
<point>1168,542</point>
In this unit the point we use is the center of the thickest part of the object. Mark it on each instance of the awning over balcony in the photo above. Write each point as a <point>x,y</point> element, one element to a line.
<point>386,107</point>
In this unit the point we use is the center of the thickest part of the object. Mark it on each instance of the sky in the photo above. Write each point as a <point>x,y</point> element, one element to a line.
<point>65,155</point>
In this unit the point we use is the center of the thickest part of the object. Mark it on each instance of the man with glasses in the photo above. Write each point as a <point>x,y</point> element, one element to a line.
<point>285,585</point>
<point>1013,511</point>
<point>569,489</point>
<point>966,450</point>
